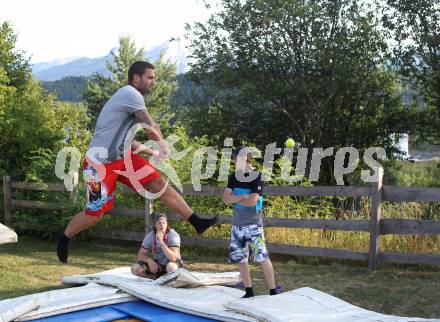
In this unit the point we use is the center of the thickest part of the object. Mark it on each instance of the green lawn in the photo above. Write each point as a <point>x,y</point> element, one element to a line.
<point>31,266</point>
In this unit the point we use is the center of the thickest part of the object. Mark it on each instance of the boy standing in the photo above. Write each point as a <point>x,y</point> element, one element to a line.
<point>244,191</point>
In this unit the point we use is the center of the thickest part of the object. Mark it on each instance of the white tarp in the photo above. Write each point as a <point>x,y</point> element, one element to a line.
<point>109,278</point>
<point>202,301</point>
<point>207,301</point>
<point>11,310</point>
<point>178,278</point>
<point>310,305</point>
<point>184,278</point>
<point>63,301</point>
<point>225,304</point>
<point>7,235</point>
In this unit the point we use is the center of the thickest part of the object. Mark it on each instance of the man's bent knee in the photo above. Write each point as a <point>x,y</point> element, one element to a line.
<point>171,267</point>
<point>156,185</point>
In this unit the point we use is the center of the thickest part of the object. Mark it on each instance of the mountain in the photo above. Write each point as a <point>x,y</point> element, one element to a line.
<point>79,67</point>
<point>68,89</point>
<point>176,52</point>
<point>42,66</point>
<point>173,49</point>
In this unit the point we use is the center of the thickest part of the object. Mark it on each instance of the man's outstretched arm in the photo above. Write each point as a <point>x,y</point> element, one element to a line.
<point>142,116</point>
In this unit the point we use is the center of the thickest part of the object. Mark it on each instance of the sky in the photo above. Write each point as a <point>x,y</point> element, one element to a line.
<point>56,29</point>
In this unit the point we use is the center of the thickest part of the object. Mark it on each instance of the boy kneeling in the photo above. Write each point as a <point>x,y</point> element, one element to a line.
<point>164,242</point>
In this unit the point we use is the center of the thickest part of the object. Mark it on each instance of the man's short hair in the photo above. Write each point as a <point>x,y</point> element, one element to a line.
<point>138,68</point>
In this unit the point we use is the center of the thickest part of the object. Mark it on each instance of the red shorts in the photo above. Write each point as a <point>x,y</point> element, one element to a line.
<point>100,193</point>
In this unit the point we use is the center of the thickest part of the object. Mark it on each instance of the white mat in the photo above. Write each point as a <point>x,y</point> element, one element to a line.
<point>7,235</point>
<point>109,278</point>
<point>184,278</point>
<point>10,311</point>
<point>225,304</point>
<point>202,301</point>
<point>65,300</point>
<point>310,305</point>
<point>178,278</point>
<point>208,301</point>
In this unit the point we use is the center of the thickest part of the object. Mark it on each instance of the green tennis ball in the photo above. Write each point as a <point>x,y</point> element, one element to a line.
<point>290,143</point>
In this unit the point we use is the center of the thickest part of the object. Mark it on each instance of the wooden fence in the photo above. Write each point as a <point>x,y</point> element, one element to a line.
<point>376,226</point>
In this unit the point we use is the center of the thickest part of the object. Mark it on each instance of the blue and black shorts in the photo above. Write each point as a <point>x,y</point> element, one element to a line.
<point>246,241</point>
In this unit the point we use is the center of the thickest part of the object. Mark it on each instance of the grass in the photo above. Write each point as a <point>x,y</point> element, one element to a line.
<point>31,266</point>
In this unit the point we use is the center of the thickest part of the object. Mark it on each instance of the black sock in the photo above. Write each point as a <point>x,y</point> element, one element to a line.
<point>249,292</point>
<point>201,224</point>
<point>273,291</point>
<point>63,243</point>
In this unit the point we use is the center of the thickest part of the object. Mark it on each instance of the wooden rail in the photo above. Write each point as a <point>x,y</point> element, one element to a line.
<point>376,226</point>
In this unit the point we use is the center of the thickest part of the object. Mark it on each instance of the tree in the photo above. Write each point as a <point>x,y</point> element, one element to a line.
<point>31,121</point>
<point>14,66</point>
<point>70,128</point>
<point>312,70</point>
<point>415,26</point>
<point>99,89</point>
<point>123,57</point>
<point>68,89</point>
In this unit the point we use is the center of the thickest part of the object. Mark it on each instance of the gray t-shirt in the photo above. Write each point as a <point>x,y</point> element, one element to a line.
<point>172,240</point>
<point>114,121</point>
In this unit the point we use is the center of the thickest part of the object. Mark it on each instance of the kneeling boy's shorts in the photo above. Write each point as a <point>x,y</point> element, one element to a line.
<point>161,269</point>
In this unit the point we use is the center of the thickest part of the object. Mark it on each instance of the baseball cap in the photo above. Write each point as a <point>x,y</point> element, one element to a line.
<point>160,216</point>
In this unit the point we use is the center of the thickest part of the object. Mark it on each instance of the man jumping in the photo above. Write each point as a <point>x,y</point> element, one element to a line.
<point>106,160</point>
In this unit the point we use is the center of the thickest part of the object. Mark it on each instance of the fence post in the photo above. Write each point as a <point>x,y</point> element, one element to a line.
<point>375,214</point>
<point>147,214</point>
<point>7,199</point>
